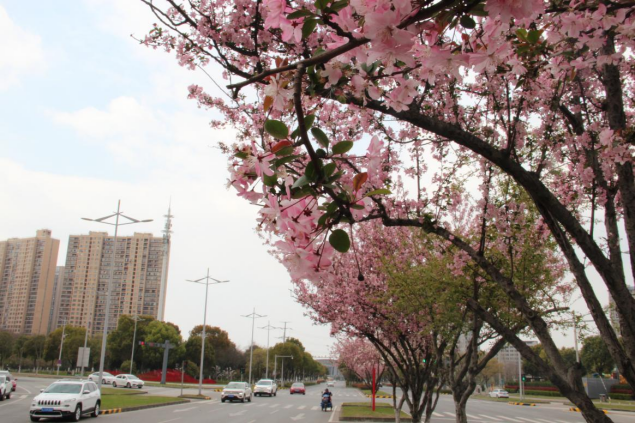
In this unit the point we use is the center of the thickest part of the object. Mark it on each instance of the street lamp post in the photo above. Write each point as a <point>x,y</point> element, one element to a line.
<point>207,284</point>
<point>85,345</point>
<point>112,276</point>
<point>59,361</point>
<point>268,327</point>
<point>134,339</point>
<point>253,317</point>
<point>275,365</point>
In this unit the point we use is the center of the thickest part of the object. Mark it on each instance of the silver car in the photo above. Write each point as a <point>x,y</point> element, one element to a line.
<point>236,390</point>
<point>106,377</point>
<point>266,387</point>
<point>127,380</point>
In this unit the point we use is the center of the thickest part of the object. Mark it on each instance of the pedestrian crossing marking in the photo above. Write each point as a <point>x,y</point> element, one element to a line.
<point>288,406</point>
<point>490,418</point>
<point>436,414</point>
<point>450,414</point>
<point>472,416</point>
<point>275,405</point>
<point>509,419</point>
<point>301,407</point>
<point>315,408</point>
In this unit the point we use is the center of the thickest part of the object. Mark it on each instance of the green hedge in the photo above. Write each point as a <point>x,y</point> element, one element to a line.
<point>542,393</point>
<point>620,396</point>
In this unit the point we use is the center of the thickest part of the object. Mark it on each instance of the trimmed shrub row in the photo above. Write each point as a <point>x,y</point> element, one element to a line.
<point>620,396</point>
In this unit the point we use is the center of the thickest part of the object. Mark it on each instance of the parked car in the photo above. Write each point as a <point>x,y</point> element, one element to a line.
<point>106,377</point>
<point>499,393</point>
<point>266,387</point>
<point>236,390</point>
<point>66,398</point>
<point>127,380</point>
<point>5,387</point>
<point>297,388</point>
<point>14,381</point>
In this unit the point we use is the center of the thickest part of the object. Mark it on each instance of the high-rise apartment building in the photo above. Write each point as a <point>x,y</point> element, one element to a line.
<point>509,354</point>
<point>137,280</point>
<point>56,298</point>
<point>27,277</point>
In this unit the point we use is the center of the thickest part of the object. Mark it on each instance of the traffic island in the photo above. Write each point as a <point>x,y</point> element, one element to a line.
<point>578,410</point>
<point>521,403</point>
<point>363,412</point>
<point>379,394</point>
<point>117,403</point>
<point>199,397</point>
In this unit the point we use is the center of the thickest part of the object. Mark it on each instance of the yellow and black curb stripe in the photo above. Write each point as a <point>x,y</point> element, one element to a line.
<point>195,397</point>
<point>110,411</point>
<point>578,410</point>
<point>379,397</point>
<point>521,403</point>
<point>218,390</point>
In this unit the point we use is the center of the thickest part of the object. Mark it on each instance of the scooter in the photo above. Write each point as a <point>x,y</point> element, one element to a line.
<point>326,403</point>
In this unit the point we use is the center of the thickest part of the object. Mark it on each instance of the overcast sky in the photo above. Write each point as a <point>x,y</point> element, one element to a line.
<point>88,116</point>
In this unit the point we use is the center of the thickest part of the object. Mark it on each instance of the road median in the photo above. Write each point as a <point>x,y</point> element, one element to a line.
<point>362,412</point>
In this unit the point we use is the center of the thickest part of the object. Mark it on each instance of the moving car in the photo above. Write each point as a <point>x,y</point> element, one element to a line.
<point>5,387</point>
<point>297,388</point>
<point>266,387</point>
<point>499,393</point>
<point>330,383</point>
<point>66,398</point>
<point>236,390</point>
<point>106,377</point>
<point>127,380</point>
<point>14,381</point>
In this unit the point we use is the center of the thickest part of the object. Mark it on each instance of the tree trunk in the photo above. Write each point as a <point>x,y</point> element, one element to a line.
<point>460,403</point>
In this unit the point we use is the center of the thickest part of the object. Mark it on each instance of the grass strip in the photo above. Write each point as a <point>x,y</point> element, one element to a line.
<point>377,393</point>
<point>108,391</point>
<point>612,405</point>
<point>511,399</point>
<point>365,410</point>
<point>126,401</point>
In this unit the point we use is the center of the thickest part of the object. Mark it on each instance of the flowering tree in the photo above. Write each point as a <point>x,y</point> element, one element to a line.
<point>360,357</point>
<point>539,91</point>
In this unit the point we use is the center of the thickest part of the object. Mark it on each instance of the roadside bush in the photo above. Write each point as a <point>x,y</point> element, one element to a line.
<point>620,396</point>
<point>542,393</point>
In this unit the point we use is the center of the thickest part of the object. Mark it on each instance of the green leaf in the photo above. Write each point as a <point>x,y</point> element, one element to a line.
<point>467,22</point>
<point>308,27</point>
<point>285,160</point>
<point>321,153</point>
<point>321,4</point>
<point>521,33</point>
<point>339,5</point>
<point>320,137</point>
<point>377,192</point>
<point>534,36</point>
<point>300,14</point>
<point>299,194</point>
<point>277,129</point>
<point>358,207</point>
<point>269,181</point>
<point>300,182</point>
<point>340,241</point>
<point>342,147</point>
<point>310,172</point>
<point>241,155</point>
<point>332,207</point>
<point>285,151</point>
<point>308,121</point>
<point>478,10</point>
<point>329,168</point>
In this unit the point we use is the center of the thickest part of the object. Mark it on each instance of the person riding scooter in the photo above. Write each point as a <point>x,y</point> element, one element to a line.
<point>327,397</point>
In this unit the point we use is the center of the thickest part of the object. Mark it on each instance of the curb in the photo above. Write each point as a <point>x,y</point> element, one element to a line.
<point>218,390</point>
<point>138,408</point>
<point>578,410</point>
<point>196,397</point>
<point>521,403</point>
<point>379,397</point>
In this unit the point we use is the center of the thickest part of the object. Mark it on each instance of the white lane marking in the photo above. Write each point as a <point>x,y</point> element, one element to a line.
<point>524,420</point>
<point>332,419</point>
<point>490,418</point>
<point>275,405</point>
<point>262,405</point>
<point>315,408</point>
<point>167,421</point>
<point>25,389</point>
<point>235,414</point>
<point>302,407</point>
<point>543,421</point>
<point>288,406</point>
<point>186,409</point>
<point>509,419</point>
<point>297,417</point>
<point>436,414</point>
<point>22,396</point>
<point>473,416</point>
<point>450,414</point>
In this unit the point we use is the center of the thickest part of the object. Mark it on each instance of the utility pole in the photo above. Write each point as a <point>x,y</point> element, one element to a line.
<point>575,338</point>
<point>59,360</point>
<point>167,230</point>
<point>268,327</point>
<point>134,339</point>
<point>207,284</point>
<point>284,334</point>
<point>111,279</point>
<point>520,376</point>
<point>84,351</point>
<point>253,317</point>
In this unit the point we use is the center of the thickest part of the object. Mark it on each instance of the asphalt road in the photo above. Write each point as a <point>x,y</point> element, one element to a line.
<point>290,408</point>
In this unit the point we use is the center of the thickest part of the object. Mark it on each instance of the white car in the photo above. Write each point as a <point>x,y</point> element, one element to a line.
<point>66,398</point>
<point>330,383</point>
<point>266,387</point>
<point>236,390</point>
<point>499,393</point>
<point>5,387</point>
<point>127,380</point>
<point>106,377</point>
